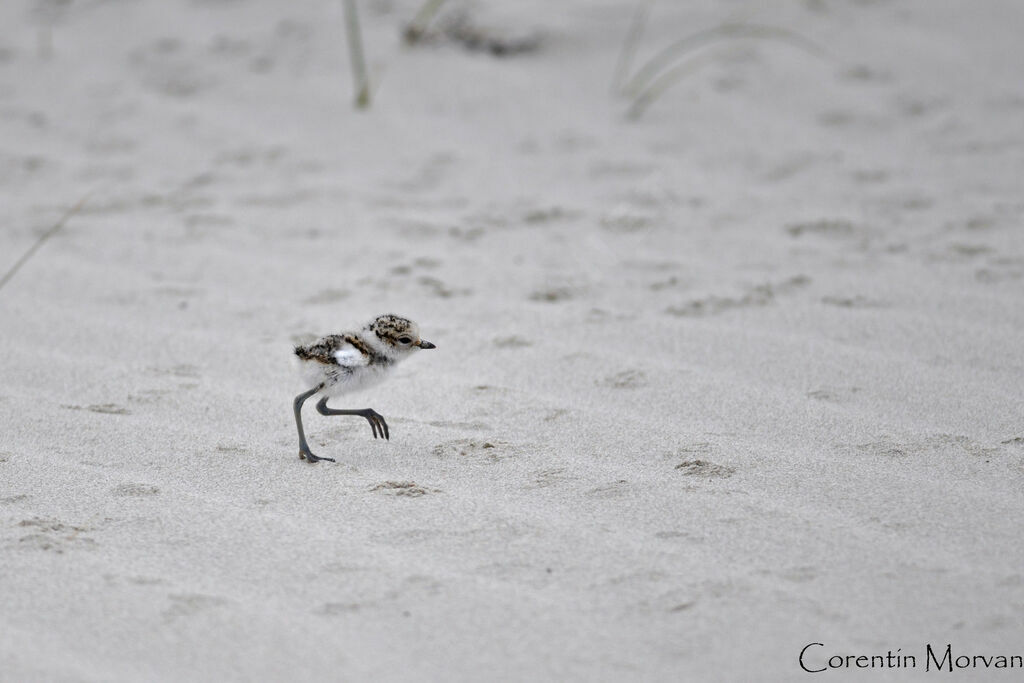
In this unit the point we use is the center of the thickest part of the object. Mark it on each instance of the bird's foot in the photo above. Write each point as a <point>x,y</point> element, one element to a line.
<point>307,455</point>
<point>377,423</point>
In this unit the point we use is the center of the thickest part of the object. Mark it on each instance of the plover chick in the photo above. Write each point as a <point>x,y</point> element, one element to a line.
<point>340,363</point>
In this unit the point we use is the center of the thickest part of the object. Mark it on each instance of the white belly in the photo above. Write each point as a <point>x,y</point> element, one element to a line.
<point>338,380</point>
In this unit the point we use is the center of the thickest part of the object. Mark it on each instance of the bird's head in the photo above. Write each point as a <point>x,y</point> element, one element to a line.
<point>398,336</point>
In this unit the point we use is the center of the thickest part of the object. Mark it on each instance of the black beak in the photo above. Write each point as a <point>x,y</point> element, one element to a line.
<point>424,344</point>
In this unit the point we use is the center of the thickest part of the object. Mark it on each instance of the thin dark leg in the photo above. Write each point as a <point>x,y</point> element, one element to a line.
<point>376,420</point>
<point>304,451</point>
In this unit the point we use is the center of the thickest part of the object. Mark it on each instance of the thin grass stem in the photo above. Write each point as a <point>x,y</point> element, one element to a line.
<point>629,45</point>
<point>662,83</point>
<point>659,62</point>
<point>421,22</point>
<point>53,230</point>
<point>356,56</point>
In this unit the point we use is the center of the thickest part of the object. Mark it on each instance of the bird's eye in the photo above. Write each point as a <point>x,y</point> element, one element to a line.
<point>404,340</point>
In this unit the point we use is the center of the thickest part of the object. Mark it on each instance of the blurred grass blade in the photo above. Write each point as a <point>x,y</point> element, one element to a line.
<point>356,57</point>
<point>43,238</point>
<point>659,62</point>
<point>629,44</point>
<point>421,22</point>
<point>662,83</point>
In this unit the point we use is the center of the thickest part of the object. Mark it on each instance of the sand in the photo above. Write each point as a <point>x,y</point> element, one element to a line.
<point>737,376</point>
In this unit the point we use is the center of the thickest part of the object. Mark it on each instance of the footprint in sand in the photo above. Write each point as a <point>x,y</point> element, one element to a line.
<point>676,535</point>
<point>553,294</point>
<point>53,536</point>
<point>627,379</point>
<point>104,408</point>
<point>167,68</point>
<point>550,477</point>
<point>512,342</point>
<point>327,296</point>
<point>491,450</point>
<point>135,490</point>
<point>826,227</point>
<point>11,500</point>
<point>856,301</point>
<point>834,394</point>
<point>801,574</point>
<point>613,489</point>
<point>942,444</point>
<point>334,609</point>
<point>550,214</point>
<point>761,295</point>
<point>704,468</point>
<point>439,289</point>
<point>190,604</point>
<point>408,489</point>
<point>461,426</point>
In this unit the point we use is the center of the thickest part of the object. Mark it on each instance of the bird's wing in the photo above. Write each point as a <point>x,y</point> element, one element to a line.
<point>349,356</point>
<point>344,350</point>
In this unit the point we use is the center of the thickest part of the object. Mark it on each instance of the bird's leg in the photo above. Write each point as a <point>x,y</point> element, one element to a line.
<point>304,451</point>
<point>376,420</point>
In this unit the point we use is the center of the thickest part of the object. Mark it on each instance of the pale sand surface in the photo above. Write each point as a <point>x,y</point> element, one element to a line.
<point>740,376</point>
